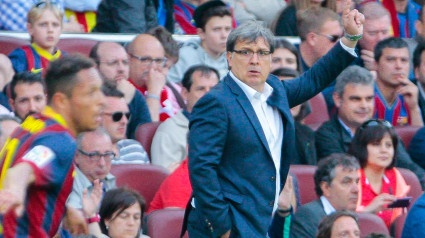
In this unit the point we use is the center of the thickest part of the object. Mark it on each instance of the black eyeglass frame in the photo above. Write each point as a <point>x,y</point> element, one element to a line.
<point>96,156</point>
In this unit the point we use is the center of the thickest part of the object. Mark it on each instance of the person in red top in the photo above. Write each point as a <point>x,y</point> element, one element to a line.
<point>375,145</point>
<point>148,75</point>
<point>175,191</point>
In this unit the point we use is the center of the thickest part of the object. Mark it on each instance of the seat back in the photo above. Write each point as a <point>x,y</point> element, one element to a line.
<point>305,176</point>
<point>166,223</point>
<point>397,226</point>
<point>415,186</point>
<point>406,133</point>
<point>76,45</point>
<point>144,178</point>
<point>319,112</point>
<point>8,44</point>
<point>145,133</point>
<point>369,223</point>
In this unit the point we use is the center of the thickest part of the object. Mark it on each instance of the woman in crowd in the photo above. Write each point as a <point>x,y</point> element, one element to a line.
<point>375,146</point>
<point>44,25</point>
<point>285,55</point>
<point>120,214</point>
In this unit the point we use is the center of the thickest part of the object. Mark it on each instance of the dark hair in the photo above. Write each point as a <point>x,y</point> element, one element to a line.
<point>109,90</point>
<point>62,73</point>
<point>207,14</point>
<point>93,53</point>
<point>116,201</point>
<point>25,77</point>
<point>326,169</point>
<point>326,225</point>
<point>367,134</point>
<point>286,72</point>
<point>281,43</point>
<point>171,46</point>
<point>417,55</point>
<point>392,42</point>
<point>204,69</point>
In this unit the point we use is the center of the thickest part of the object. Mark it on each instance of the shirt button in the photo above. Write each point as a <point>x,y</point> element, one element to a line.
<point>273,178</point>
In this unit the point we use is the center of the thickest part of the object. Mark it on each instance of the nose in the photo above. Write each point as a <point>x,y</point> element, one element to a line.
<point>254,58</point>
<point>33,105</point>
<point>121,66</point>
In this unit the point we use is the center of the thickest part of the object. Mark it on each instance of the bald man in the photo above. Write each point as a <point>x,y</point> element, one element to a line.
<point>147,74</point>
<point>113,64</point>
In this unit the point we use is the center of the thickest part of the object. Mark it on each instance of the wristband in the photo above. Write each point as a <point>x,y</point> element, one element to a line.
<point>353,37</point>
<point>154,97</point>
<point>285,210</point>
<point>94,219</point>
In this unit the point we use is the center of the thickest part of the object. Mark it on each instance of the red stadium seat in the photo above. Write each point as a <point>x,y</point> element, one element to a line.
<point>144,178</point>
<point>145,133</point>
<point>415,186</point>
<point>319,112</point>
<point>8,44</point>
<point>305,176</point>
<point>75,45</point>
<point>397,226</point>
<point>406,133</point>
<point>371,223</point>
<point>166,223</point>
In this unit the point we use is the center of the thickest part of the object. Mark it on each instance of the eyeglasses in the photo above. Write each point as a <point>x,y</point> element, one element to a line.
<point>146,60</point>
<point>43,4</point>
<point>376,122</point>
<point>114,63</point>
<point>96,156</point>
<point>249,53</point>
<point>331,38</point>
<point>117,116</point>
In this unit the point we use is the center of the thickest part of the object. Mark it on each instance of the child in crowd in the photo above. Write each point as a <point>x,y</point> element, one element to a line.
<point>44,24</point>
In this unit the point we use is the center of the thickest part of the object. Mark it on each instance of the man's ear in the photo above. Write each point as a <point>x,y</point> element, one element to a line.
<point>184,93</point>
<point>200,33</point>
<point>311,38</point>
<point>324,186</point>
<point>12,104</point>
<point>337,99</point>
<point>61,101</point>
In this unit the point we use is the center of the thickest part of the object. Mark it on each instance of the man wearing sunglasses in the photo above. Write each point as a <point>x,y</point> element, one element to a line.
<point>148,75</point>
<point>115,120</point>
<point>93,161</point>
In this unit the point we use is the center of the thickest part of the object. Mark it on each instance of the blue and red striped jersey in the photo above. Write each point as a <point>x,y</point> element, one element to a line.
<point>398,114</point>
<point>44,142</point>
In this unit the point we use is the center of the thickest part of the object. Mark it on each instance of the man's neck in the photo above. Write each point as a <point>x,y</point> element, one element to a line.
<point>401,5</point>
<point>212,54</point>
<point>348,125</point>
<point>307,54</point>
<point>389,93</point>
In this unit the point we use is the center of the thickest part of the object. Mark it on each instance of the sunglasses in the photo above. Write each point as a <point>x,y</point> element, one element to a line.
<point>331,38</point>
<point>376,122</point>
<point>117,116</point>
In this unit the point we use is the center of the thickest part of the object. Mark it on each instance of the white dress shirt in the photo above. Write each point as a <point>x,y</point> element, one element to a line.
<point>271,123</point>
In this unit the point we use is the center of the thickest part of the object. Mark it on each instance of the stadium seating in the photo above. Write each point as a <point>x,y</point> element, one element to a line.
<point>74,45</point>
<point>305,176</point>
<point>371,223</point>
<point>165,223</point>
<point>319,112</point>
<point>8,44</point>
<point>145,133</point>
<point>144,178</point>
<point>397,226</point>
<point>406,133</point>
<point>415,186</point>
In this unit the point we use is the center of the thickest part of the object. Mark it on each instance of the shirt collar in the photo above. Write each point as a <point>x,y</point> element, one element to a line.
<point>327,206</point>
<point>251,93</point>
<point>346,127</point>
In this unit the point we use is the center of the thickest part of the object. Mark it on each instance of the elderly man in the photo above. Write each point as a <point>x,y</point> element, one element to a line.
<point>93,161</point>
<point>335,182</point>
<point>242,133</point>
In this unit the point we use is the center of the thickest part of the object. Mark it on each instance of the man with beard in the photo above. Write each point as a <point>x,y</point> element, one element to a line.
<point>27,94</point>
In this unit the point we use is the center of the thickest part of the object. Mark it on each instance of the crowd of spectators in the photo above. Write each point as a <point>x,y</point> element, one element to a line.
<point>155,78</point>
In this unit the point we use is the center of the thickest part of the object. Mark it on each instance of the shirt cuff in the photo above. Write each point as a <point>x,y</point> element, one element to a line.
<point>352,51</point>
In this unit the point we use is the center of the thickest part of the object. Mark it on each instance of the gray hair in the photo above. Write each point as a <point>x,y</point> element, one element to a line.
<point>250,32</point>
<point>99,131</point>
<point>354,75</point>
<point>374,11</point>
<point>326,168</point>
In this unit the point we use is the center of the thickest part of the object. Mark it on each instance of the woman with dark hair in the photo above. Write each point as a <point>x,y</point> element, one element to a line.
<point>120,214</point>
<point>375,146</point>
<point>285,55</point>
